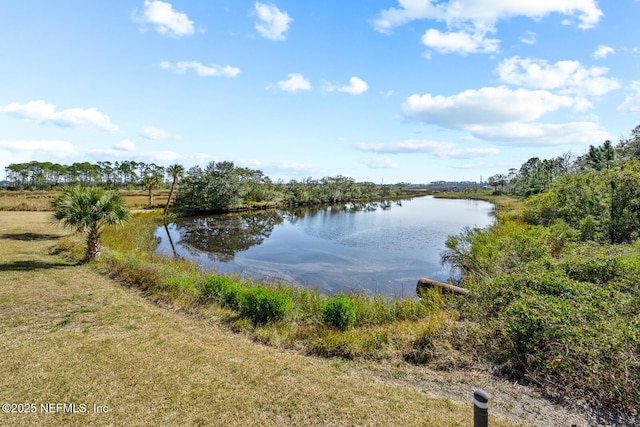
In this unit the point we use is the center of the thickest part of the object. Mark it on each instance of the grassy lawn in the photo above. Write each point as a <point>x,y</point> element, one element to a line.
<point>70,335</point>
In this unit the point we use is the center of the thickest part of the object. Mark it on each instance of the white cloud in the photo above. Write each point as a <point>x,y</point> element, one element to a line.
<point>57,149</point>
<point>41,112</point>
<point>329,87</point>
<point>489,105</point>
<point>469,21</point>
<point>409,146</point>
<point>154,133</point>
<point>408,11</point>
<point>164,156</point>
<point>166,20</point>
<point>380,163</point>
<point>444,150</point>
<point>213,70</point>
<point>528,38</point>
<point>632,102</point>
<point>356,86</point>
<point>295,83</point>
<point>479,13</point>
<point>461,42</point>
<point>294,168</point>
<point>537,134</point>
<point>603,51</point>
<point>470,153</point>
<point>272,23</point>
<point>565,77</point>
<point>251,163</point>
<point>124,145</point>
<point>127,150</point>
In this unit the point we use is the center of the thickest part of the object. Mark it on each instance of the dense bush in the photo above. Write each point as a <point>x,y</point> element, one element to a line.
<point>537,324</point>
<point>568,319</point>
<point>263,305</point>
<point>597,270</point>
<point>602,205</point>
<point>339,311</point>
<point>223,289</point>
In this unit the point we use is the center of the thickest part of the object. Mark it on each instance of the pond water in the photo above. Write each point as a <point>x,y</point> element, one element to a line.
<point>376,248</point>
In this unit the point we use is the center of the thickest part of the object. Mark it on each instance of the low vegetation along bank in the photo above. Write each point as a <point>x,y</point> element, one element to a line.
<point>353,327</point>
<point>545,307</point>
<point>555,309</point>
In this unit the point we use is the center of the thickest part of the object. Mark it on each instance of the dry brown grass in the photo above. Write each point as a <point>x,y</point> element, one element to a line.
<point>41,200</point>
<point>70,335</point>
<point>26,200</point>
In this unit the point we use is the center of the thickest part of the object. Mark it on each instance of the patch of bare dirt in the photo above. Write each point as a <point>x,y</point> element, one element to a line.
<point>520,404</point>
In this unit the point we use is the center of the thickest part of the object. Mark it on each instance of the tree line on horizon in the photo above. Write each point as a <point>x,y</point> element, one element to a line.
<point>596,194</point>
<point>127,174</point>
<point>220,186</point>
<point>536,175</point>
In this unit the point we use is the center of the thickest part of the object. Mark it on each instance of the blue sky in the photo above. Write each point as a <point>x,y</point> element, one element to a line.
<point>384,91</point>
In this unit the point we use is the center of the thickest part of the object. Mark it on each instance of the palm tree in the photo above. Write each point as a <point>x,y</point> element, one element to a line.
<point>176,171</point>
<point>152,179</point>
<point>87,210</point>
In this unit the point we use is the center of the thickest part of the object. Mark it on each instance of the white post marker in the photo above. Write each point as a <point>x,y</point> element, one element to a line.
<point>480,408</point>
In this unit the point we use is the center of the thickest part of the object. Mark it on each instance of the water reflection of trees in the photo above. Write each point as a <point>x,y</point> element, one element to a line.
<point>223,236</point>
<point>295,214</point>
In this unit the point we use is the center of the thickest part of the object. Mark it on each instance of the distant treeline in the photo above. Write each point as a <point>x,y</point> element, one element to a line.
<point>47,175</point>
<point>535,175</point>
<point>220,186</point>
<point>223,186</point>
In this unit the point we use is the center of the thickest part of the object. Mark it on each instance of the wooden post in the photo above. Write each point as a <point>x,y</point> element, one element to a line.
<point>425,283</point>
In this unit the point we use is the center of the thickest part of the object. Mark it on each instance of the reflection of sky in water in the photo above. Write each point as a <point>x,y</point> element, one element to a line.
<point>381,251</point>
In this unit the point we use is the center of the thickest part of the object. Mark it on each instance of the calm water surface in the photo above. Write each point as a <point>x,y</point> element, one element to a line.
<point>375,248</point>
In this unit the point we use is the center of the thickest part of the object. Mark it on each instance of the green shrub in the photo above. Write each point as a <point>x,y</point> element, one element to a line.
<point>339,311</point>
<point>471,252</point>
<point>590,228</point>
<point>598,270</point>
<point>223,289</point>
<point>181,283</point>
<point>524,246</point>
<point>308,304</point>
<point>536,322</point>
<point>551,283</point>
<point>263,305</point>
